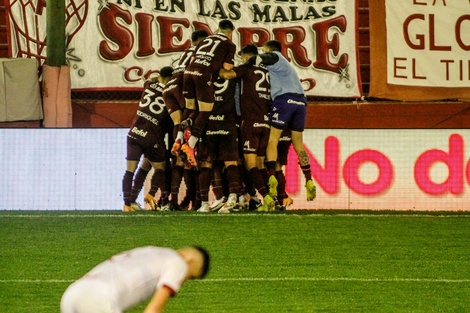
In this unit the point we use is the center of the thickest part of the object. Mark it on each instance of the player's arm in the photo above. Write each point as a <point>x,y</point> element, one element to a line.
<point>269,58</point>
<point>227,74</point>
<point>159,299</point>
<point>227,66</point>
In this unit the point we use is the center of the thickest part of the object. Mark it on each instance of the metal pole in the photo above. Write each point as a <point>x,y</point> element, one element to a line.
<point>55,28</point>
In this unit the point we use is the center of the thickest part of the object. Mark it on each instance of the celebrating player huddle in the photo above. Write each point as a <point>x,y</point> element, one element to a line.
<point>229,127</point>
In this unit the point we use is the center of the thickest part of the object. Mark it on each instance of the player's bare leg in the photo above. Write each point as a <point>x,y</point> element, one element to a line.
<point>304,162</point>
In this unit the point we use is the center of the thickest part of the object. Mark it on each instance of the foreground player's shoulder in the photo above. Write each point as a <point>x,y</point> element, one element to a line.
<point>243,70</point>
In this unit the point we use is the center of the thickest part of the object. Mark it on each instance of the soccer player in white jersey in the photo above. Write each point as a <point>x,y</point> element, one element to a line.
<point>133,276</point>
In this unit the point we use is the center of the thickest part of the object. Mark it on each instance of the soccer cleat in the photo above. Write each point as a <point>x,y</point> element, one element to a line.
<point>184,205</point>
<point>268,204</point>
<point>205,208</point>
<point>231,204</point>
<point>189,154</point>
<point>170,206</point>
<point>287,201</point>
<point>254,204</point>
<point>151,204</point>
<point>165,207</point>
<point>173,206</point>
<point>127,208</point>
<point>218,203</point>
<point>163,201</point>
<point>311,190</point>
<point>272,182</point>
<point>244,201</point>
<point>136,206</point>
<point>176,149</point>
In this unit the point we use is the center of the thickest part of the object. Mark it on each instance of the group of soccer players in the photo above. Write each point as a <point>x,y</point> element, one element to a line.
<point>232,128</point>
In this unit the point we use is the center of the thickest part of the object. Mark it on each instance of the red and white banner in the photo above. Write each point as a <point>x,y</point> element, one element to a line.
<point>428,43</point>
<point>115,44</point>
<point>421,51</point>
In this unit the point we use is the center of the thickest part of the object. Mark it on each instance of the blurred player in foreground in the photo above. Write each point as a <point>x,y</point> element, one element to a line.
<point>133,276</point>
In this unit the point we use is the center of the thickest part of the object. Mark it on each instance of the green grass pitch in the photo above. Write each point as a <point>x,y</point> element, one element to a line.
<point>316,261</point>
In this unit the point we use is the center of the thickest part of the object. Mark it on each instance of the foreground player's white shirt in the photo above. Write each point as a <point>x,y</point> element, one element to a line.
<point>134,275</point>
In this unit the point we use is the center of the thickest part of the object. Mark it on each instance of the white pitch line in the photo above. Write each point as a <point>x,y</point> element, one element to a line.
<point>274,279</point>
<point>245,215</point>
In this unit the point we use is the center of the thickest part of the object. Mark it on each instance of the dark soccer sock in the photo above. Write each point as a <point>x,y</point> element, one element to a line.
<point>264,174</point>
<point>270,167</point>
<point>306,171</point>
<point>138,183</point>
<point>190,179</point>
<point>176,177</point>
<point>217,187</point>
<point>233,178</point>
<point>157,182</point>
<point>127,186</point>
<point>281,185</point>
<point>258,181</point>
<point>247,181</point>
<point>204,183</point>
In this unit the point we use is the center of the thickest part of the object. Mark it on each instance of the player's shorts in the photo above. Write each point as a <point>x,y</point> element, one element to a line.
<point>88,295</point>
<point>254,137</point>
<point>173,97</point>
<point>283,147</point>
<point>221,145</point>
<point>154,150</point>
<point>198,85</point>
<point>289,111</point>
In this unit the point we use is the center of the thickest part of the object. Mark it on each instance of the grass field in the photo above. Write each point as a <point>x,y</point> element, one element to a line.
<point>317,261</point>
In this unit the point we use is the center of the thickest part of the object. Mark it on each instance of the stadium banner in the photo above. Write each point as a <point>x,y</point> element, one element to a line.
<point>406,169</point>
<point>422,50</point>
<point>114,44</point>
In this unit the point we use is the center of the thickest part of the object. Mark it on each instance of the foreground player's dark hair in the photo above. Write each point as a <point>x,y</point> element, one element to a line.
<point>205,260</point>
<point>226,24</point>
<point>198,34</point>
<point>250,49</point>
<point>274,45</point>
<point>166,71</point>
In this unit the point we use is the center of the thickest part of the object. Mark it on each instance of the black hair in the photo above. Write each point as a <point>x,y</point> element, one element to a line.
<point>205,260</point>
<point>166,71</point>
<point>273,45</point>
<point>226,24</point>
<point>198,34</point>
<point>250,49</point>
